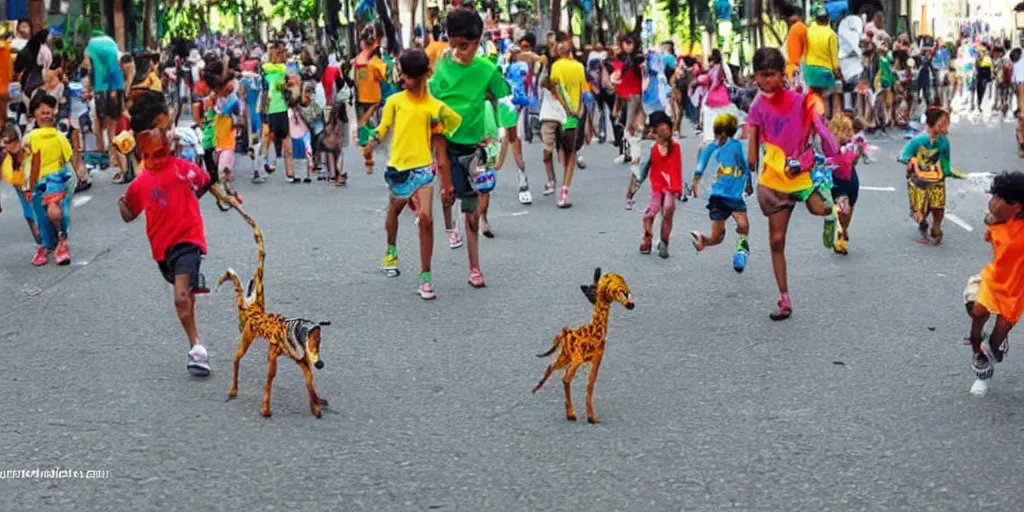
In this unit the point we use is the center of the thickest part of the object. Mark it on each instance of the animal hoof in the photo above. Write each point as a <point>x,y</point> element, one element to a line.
<point>317,413</point>
<point>570,417</point>
<point>266,413</point>
<point>321,401</point>
<point>232,394</point>
<point>593,420</point>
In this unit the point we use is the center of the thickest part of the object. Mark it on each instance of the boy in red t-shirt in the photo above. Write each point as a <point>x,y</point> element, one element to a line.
<point>168,191</point>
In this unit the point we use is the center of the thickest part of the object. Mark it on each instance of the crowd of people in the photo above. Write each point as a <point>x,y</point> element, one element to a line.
<point>450,108</point>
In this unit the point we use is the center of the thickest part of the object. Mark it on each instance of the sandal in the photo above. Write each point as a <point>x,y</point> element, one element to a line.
<point>699,242</point>
<point>645,243</point>
<point>785,309</point>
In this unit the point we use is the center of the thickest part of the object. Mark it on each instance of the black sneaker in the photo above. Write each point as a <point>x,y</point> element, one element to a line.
<point>983,368</point>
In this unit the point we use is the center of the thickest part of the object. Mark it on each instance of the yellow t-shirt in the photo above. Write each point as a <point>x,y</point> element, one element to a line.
<point>415,120</point>
<point>569,77</point>
<point>15,177</point>
<point>152,82</point>
<point>53,147</point>
<point>822,47</point>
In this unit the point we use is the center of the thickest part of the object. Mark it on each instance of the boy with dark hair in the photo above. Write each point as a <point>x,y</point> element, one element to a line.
<point>464,81</point>
<point>999,289</point>
<point>168,193</point>
<point>415,116</point>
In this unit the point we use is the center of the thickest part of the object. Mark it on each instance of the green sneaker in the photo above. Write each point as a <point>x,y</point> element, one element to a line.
<point>389,265</point>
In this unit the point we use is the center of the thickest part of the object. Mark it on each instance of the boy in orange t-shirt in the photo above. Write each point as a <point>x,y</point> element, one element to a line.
<point>999,289</point>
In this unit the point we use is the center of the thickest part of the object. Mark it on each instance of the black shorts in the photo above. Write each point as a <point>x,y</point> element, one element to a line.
<point>183,258</point>
<point>460,156</point>
<point>849,188</point>
<point>720,208</point>
<point>109,104</point>
<point>278,124</point>
<point>571,140</point>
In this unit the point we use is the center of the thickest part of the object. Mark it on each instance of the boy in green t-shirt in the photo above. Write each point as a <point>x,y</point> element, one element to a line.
<point>464,81</point>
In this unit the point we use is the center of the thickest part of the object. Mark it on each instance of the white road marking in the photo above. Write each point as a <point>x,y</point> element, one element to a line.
<point>80,200</point>
<point>878,189</point>
<point>959,222</point>
<point>517,214</point>
<point>979,175</point>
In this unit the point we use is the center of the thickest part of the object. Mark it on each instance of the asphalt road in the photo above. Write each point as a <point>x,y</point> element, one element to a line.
<point>858,402</point>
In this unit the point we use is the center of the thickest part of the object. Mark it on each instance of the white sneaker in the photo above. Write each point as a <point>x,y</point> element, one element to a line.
<point>620,159</point>
<point>198,361</point>
<point>980,387</point>
<point>524,189</point>
<point>454,240</point>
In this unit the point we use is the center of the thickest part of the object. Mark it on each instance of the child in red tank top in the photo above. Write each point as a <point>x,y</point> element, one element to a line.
<point>666,177</point>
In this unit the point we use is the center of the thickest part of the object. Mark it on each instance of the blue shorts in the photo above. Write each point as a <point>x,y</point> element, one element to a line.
<point>404,184</point>
<point>849,188</point>
<point>26,207</point>
<point>721,208</point>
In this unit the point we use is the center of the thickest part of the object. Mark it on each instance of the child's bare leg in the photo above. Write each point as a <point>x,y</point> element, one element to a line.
<point>979,316</point>
<point>778,225</point>
<point>668,211</point>
<point>391,221</point>
<point>717,233</point>
<point>817,205</point>
<point>998,338</point>
<point>742,224</point>
<point>185,304</point>
<point>937,215</point>
<point>424,196</point>
<point>485,227</point>
<point>472,236</point>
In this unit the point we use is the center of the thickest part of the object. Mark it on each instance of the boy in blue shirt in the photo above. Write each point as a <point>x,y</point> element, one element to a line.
<point>732,180</point>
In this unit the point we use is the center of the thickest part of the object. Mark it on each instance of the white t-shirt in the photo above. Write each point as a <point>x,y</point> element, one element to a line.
<point>1018,71</point>
<point>851,61</point>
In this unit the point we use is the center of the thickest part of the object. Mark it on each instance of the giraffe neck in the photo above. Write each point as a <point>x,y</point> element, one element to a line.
<point>599,322</point>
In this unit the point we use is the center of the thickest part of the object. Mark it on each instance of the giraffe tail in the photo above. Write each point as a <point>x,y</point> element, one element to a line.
<point>254,293</point>
<point>558,342</point>
<point>230,274</point>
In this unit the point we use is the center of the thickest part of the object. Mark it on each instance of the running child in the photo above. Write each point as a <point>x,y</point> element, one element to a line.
<point>168,192</point>
<point>780,125</point>
<point>228,110</point>
<point>666,175</point>
<point>847,131</point>
<point>732,179</point>
<point>999,289</point>
<point>463,81</point>
<point>416,116</point>
<point>927,159</point>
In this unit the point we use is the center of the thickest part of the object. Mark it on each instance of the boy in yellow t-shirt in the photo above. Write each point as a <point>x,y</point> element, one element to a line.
<point>416,117</point>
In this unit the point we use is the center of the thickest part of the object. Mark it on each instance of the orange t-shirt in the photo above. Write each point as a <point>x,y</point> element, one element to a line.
<point>369,73</point>
<point>6,67</point>
<point>434,50</point>
<point>1002,281</point>
<point>796,47</point>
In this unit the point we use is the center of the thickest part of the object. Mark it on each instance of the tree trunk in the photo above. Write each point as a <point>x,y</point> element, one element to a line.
<point>149,25</point>
<point>119,28</point>
<point>556,15</point>
<point>37,15</point>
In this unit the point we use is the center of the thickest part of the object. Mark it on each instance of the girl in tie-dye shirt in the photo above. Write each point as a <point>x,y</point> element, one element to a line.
<point>780,124</point>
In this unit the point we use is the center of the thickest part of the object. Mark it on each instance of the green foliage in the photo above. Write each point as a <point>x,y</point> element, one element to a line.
<point>304,10</point>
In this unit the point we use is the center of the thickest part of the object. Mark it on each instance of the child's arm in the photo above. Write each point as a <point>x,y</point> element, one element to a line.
<point>754,132</point>
<point>702,163</point>
<point>387,119</point>
<point>128,204</point>
<point>909,150</point>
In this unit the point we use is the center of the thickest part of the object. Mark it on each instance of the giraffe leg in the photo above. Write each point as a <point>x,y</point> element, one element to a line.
<point>243,347</point>
<point>272,353</point>
<point>314,400</point>
<point>591,418</point>
<point>570,373</point>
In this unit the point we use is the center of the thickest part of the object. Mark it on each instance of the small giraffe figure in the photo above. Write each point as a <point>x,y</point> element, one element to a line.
<point>585,344</point>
